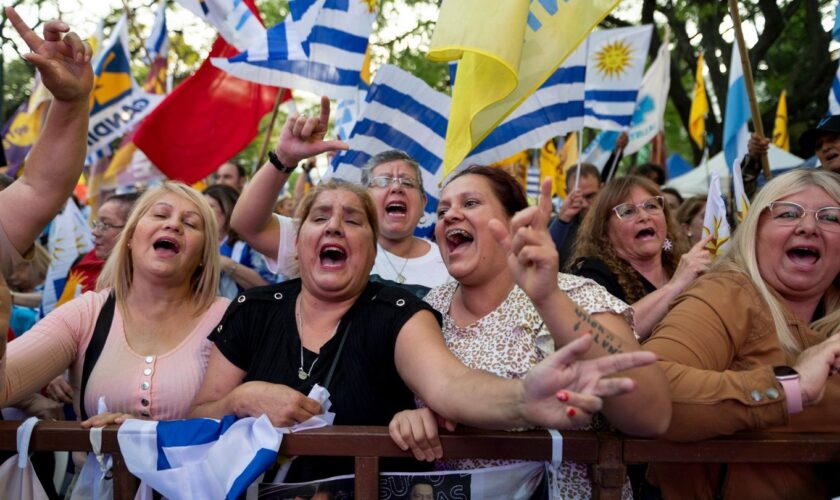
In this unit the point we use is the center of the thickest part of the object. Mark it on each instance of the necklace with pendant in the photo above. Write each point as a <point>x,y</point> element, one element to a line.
<point>304,374</point>
<point>400,276</point>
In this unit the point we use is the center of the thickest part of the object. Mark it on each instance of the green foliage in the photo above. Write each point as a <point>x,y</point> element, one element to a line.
<point>19,76</point>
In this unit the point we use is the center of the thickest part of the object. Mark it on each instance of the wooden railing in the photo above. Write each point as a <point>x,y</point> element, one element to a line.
<point>607,453</point>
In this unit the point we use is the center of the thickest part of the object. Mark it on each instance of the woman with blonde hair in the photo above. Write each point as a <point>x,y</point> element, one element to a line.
<point>138,344</point>
<point>751,344</point>
<point>631,245</point>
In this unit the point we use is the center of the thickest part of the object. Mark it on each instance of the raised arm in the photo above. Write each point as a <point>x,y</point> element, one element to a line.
<point>533,260</point>
<point>55,162</point>
<point>300,138</point>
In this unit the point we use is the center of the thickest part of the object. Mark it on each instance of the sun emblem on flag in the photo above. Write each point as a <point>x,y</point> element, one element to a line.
<point>371,4</point>
<point>614,58</point>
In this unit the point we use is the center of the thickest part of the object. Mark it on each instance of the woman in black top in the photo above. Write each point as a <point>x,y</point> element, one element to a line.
<point>630,244</point>
<point>372,346</point>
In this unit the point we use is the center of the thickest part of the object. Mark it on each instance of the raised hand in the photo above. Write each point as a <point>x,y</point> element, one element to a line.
<point>303,137</point>
<point>563,392</point>
<point>61,57</point>
<point>532,256</point>
<point>692,264</point>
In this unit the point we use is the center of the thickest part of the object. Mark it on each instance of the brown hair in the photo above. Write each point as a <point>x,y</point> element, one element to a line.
<point>335,184</point>
<point>508,190</point>
<point>593,238</point>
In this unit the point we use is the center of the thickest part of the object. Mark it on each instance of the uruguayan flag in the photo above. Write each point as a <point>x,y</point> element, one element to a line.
<point>69,237</point>
<point>232,18</point>
<point>735,133</point>
<point>614,67</point>
<point>400,112</point>
<point>320,47</point>
<point>555,109</point>
<point>157,45</point>
<point>201,457</point>
<point>834,94</point>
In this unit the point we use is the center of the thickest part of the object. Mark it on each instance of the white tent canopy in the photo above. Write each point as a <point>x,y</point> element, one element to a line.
<point>696,182</point>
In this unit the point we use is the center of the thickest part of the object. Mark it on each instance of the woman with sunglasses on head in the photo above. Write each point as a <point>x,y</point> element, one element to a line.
<point>751,344</point>
<point>630,244</point>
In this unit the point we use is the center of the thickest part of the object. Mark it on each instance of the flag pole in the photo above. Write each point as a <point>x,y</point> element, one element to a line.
<point>264,149</point>
<point>748,80</point>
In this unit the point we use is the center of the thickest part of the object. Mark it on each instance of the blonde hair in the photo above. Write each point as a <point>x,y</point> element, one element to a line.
<point>204,282</point>
<point>742,252</point>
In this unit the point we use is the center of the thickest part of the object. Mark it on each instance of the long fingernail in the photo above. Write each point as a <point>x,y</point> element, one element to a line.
<point>563,396</point>
<point>571,412</point>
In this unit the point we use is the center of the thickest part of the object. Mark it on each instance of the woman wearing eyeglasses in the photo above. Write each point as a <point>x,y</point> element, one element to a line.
<point>630,244</point>
<point>745,347</point>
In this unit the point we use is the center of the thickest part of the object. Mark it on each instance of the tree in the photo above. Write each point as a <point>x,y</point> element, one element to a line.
<point>791,53</point>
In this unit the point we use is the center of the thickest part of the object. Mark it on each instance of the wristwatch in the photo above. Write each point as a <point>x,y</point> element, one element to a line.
<point>789,378</point>
<point>272,157</point>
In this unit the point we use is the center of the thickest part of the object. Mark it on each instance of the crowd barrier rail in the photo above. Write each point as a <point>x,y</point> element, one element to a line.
<point>607,453</point>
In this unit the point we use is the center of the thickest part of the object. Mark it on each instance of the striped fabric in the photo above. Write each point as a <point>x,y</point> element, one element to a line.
<point>614,66</point>
<point>234,19</point>
<point>320,47</point>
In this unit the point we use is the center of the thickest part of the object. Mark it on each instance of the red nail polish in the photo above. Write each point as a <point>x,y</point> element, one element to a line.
<point>571,412</point>
<point>563,396</point>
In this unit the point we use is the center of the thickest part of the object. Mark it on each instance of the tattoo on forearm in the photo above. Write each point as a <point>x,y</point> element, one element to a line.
<point>600,335</point>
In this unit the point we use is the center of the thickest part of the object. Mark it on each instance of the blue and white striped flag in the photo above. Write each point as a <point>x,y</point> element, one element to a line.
<point>320,47</point>
<point>200,457</point>
<point>401,112</point>
<point>69,237</point>
<point>834,94</point>
<point>232,18</point>
<point>555,109</point>
<point>614,67</point>
<point>157,45</point>
<point>735,133</point>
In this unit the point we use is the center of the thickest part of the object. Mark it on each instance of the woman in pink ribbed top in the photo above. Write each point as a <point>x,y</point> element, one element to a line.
<point>163,273</point>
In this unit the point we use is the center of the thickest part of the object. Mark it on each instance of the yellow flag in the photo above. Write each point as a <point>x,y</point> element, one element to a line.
<point>781,137</point>
<point>506,51</point>
<point>568,159</point>
<point>699,108</point>
<point>550,164</point>
<point>517,166</point>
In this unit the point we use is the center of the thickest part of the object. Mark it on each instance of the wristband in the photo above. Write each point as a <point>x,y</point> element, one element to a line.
<point>274,160</point>
<point>789,379</point>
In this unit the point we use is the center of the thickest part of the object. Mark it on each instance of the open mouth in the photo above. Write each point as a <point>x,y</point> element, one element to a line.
<point>646,233</point>
<point>803,255</point>
<point>397,208</point>
<point>831,156</point>
<point>332,256</point>
<point>166,246</point>
<point>456,238</point>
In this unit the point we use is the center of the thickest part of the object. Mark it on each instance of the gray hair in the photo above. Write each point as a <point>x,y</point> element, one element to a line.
<point>387,157</point>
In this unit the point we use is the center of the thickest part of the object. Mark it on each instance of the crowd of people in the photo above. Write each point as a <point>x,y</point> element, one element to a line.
<point>610,313</point>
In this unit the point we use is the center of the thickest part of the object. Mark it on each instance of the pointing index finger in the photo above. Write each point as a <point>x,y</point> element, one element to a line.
<point>325,111</point>
<point>33,41</point>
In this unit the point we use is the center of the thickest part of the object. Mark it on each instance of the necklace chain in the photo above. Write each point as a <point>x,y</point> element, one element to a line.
<point>304,374</point>
<point>400,276</point>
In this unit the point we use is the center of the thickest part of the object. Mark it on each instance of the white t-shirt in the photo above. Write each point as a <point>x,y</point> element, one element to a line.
<point>420,273</point>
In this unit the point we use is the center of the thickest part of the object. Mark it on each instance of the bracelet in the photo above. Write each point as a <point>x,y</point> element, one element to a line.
<point>274,160</point>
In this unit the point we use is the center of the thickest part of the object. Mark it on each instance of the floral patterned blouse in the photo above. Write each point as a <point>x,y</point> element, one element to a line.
<point>508,342</point>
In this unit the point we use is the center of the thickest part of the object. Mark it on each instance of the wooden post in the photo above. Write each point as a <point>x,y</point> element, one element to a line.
<point>267,139</point>
<point>367,477</point>
<point>748,80</point>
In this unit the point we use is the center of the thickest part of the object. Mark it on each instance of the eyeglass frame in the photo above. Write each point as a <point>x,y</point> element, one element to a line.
<point>98,225</point>
<point>798,220</point>
<point>412,183</point>
<point>639,207</point>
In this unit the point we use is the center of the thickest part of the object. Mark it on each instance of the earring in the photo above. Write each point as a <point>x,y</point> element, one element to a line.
<point>667,245</point>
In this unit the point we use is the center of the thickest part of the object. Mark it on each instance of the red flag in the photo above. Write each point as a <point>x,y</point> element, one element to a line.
<point>205,121</point>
